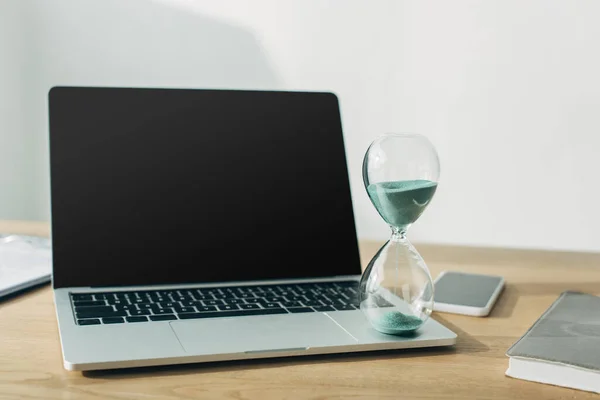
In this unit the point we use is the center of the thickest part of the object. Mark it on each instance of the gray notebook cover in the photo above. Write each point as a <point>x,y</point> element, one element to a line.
<point>567,333</point>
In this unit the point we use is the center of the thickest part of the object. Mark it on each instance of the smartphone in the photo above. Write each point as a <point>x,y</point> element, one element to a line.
<point>466,293</point>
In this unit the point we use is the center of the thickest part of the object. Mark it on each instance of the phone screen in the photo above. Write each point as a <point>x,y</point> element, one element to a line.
<point>465,289</point>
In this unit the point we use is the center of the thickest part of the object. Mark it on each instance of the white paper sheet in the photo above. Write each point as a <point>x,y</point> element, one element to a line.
<point>24,261</point>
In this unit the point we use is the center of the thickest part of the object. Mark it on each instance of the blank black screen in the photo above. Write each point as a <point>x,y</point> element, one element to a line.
<point>161,186</point>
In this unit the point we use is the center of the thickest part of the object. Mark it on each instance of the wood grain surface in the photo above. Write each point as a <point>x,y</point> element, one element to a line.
<point>31,363</point>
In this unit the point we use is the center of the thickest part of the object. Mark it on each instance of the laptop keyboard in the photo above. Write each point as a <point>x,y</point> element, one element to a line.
<point>168,305</point>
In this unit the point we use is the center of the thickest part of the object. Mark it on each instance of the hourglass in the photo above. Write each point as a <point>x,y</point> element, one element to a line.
<point>400,173</point>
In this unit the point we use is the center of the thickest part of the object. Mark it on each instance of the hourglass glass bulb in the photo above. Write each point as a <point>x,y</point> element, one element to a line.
<point>400,173</point>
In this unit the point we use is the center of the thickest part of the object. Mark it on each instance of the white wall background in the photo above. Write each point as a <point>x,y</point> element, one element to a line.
<point>508,91</point>
<point>18,185</point>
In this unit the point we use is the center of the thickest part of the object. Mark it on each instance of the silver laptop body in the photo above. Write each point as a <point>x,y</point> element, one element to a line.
<point>204,225</point>
<point>229,338</point>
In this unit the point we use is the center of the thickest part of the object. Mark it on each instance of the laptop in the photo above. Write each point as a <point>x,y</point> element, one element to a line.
<point>196,225</point>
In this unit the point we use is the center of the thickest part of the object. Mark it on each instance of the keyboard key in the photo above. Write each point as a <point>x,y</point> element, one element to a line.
<point>191,303</point>
<point>89,303</point>
<point>163,311</point>
<point>206,308</point>
<point>274,299</point>
<point>99,313</point>
<point>81,297</point>
<point>118,302</point>
<point>324,309</point>
<point>343,307</point>
<point>125,307</point>
<point>136,319</point>
<point>236,301</point>
<point>204,297</point>
<point>271,305</point>
<point>166,304</point>
<point>341,300</point>
<point>256,300</point>
<point>188,293</point>
<point>166,317</point>
<point>139,312</point>
<point>238,313</point>
<point>180,310</point>
<point>249,306</point>
<point>300,309</point>
<point>312,303</point>
<point>113,320</point>
<point>285,287</point>
<point>94,321</point>
<point>93,309</point>
<point>327,301</point>
<point>288,304</point>
<point>253,288</point>
<point>228,307</point>
<point>212,302</point>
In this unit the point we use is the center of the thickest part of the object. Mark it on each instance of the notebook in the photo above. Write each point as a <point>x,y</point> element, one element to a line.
<point>25,261</point>
<point>563,346</point>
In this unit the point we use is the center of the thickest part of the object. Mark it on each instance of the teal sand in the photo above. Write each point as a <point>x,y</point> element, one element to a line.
<point>397,323</point>
<point>400,203</point>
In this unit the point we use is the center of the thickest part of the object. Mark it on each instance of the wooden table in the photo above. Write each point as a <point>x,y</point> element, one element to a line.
<point>31,363</point>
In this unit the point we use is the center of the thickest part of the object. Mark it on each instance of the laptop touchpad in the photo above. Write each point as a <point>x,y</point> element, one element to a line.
<point>259,333</point>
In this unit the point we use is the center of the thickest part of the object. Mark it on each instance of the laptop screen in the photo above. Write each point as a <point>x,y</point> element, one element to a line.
<point>169,186</point>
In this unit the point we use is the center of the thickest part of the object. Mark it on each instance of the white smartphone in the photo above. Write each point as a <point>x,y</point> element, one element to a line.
<point>466,293</point>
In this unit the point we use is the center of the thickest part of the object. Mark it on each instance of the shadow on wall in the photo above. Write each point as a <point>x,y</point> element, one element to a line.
<point>136,43</point>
